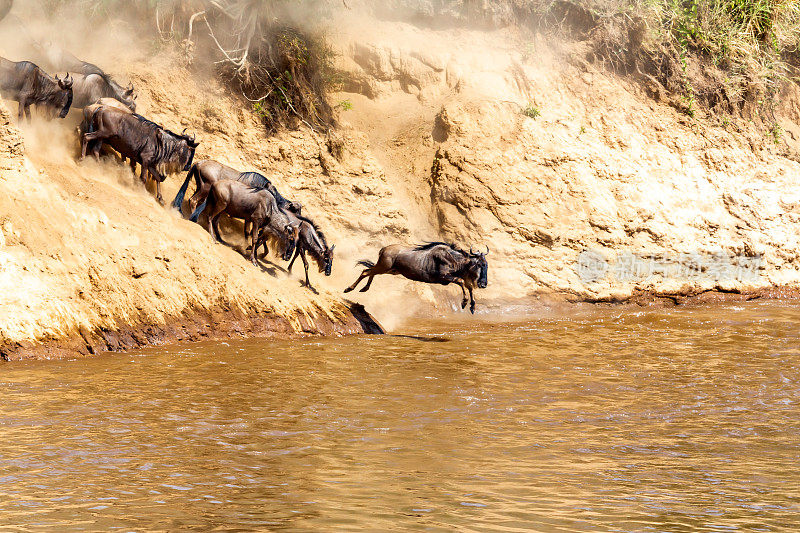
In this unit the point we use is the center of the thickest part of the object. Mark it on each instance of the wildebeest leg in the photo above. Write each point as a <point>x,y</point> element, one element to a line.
<point>28,113</point>
<point>384,265</point>
<point>369,283</point>
<point>247,229</point>
<point>305,266</point>
<point>463,293</point>
<point>363,275</point>
<point>152,172</point>
<point>216,210</point>
<point>296,253</point>
<point>159,198</point>
<point>21,111</point>
<point>255,229</point>
<point>213,227</point>
<point>142,175</point>
<point>471,300</point>
<point>89,137</point>
<point>263,242</point>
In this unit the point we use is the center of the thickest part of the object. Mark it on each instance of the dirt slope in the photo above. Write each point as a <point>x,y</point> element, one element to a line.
<point>90,263</point>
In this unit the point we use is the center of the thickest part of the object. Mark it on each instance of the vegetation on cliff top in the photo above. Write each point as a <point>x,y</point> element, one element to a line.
<point>726,56</point>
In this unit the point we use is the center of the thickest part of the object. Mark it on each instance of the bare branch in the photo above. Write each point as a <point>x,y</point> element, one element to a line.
<point>191,22</point>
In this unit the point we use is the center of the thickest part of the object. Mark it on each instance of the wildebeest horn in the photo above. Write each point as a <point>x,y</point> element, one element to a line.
<point>487,250</point>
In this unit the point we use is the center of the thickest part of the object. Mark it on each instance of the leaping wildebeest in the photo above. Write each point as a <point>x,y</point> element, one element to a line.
<point>436,262</point>
<point>257,207</point>
<point>143,141</point>
<point>207,172</point>
<point>26,83</point>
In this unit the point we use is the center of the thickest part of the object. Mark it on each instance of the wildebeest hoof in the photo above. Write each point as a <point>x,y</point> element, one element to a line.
<point>472,309</point>
<point>365,289</point>
<point>348,289</point>
<point>464,303</point>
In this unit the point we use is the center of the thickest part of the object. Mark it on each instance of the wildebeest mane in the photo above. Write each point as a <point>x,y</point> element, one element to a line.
<point>159,126</point>
<point>316,229</point>
<point>259,181</point>
<point>255,180</point>
<point>430,245</point>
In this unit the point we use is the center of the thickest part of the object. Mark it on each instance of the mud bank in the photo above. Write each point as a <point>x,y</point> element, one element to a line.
<point>197,325</point>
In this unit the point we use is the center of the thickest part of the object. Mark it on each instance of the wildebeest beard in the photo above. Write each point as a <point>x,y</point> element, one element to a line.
<point>483,280</point>
<point>67,105</point>
<point>174,152</point>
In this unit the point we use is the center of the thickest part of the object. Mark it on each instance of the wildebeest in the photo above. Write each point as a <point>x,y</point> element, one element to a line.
<point>26,83</point>
<point>310,239</point>
<point>257,208</point>
<point>91,82</point>
<point>89,88</point>
<point>143,141</point>
<point>436,262</point>
<point>207,172</point>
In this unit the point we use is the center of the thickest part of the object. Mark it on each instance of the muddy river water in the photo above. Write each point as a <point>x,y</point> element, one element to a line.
<point>680,419</point>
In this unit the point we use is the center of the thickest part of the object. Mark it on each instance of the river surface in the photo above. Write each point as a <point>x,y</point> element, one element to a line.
<point>581,420</point>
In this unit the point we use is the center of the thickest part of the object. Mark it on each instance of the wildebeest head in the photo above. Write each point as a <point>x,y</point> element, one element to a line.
<point>327,260</point>
<point>479,267</point>
<point>178,150</point>
<point>189,150</point>
<point>61,99</point>
<point>129,97</point>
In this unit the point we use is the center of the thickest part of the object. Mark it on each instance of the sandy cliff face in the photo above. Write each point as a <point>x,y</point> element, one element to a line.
<point>91,263</point>
<point>596,176</point>
<point>647,198</point>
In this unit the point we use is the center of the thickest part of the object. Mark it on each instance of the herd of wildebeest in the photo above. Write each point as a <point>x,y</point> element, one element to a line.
<point>111,125</point>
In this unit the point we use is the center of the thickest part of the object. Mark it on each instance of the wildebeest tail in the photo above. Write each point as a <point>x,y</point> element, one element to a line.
<point>368,264</point>
<point>90,126</point>
<point>178,201</point>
